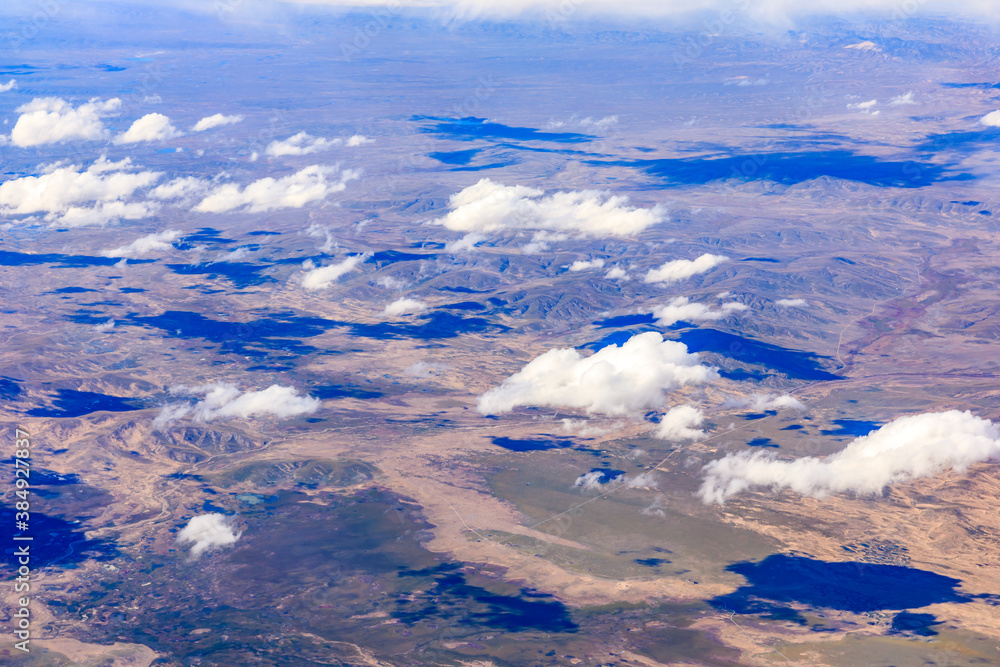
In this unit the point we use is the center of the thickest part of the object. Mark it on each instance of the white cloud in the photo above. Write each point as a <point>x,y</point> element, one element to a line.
<point>758,402</point>
<point>864,107</point>
<point>226,400</point>
<point>49,120</point>
<point>206,533</point>
<point>744,81</point>
<point>680,423</point>
<point>616,380</point>
<point>617,273</point>
<point>104,326</point>
<point>992,119</point>
<point>10,85</point>
<point>903,100</point>
<point>492,207</point>
<point>151,127</point>
<point>680,269</point>
<point>905,449</point>
<point>215,120</point>
<point>681,309</point>
<point>184,187</point>
<point>323,277</point>
<point>60,192</point>
<point>301,144</point>
<point>267,194</point>
<point>359,140</point>
<point>147,244</point>
<point>318,231</point>
<point>404,307</point>
<point>464,244</point>
<point>425,369</point>
<point>540,241</point>
<point>600,124</point>
<point>584,264</point>
<point>790,303</point>
<point>592,481</point>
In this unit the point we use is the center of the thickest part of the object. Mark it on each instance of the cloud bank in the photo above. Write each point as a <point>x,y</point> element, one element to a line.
<point>493,207</point>
<point>60,193</point>
<point>681,269</point>
<point>905,449</point>
<point>50,120</point>
<point>206,533</point>
<point>268,194</point>
<point>615,380</point>
<point>226,400</point>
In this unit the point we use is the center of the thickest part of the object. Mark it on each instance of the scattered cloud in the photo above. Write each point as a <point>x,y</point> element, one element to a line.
<point>681,309</point>
<point>7,87</point>
<point>616,380</point>
<point>104,326</point>
<point>61,191</point>
<point>151,243</point>
<point>359,140</point>
<point>425,369</point>
<point>904,449</point>
<point>681,269</point>
<point>597,480</point>
<point>790,303</point>
<point>50,120</point>
<point>404,307</point>
<point>759,402</point>
<point>680,423</point>
<point>865,107</point>
<point>584,264</point>
<point>992,119</point>
<point>464,244</point>
<point>600,124</point>
<point>323,277</point>
<point>865,46</point>
<point>206,533</point>
<point>267,194</point>
<point>300,144</point>
<point>215,120</point>
<point>903,100</point>
<point>744,81</point>
<point>151,127</point>
<point>226,400</point>
<point>617,273</point>
<point>493,207</point>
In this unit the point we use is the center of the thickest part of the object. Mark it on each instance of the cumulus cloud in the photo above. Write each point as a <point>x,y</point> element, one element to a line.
<point>790,303</point>
<point>267,194</point>
<point>147,244</point>
<point>616,380</point>
<point>584,264</point>
<point>206,533</point>
<point>425,369</point>
<point>901,100</point>
<point>680,423</point>
<point>759,402</point>
<point>492,207</point>
<point>617,273</point>
<point>681,309</point>
<point>600,124</point>
<point>905,449</point>
<point>301,144</point>
<point>680,269</point>
<point>104,326</point>
<point>359,140</point>
<point>323,277</point>
<point>226,400</point>
<point>50,120</point>
<point>992,119</point>
<point>185,187</point>
<point>60,192</point>
<point>10,85</point>
<point>215,120</point>
<point>404,307</point>
<point>151,127</point>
